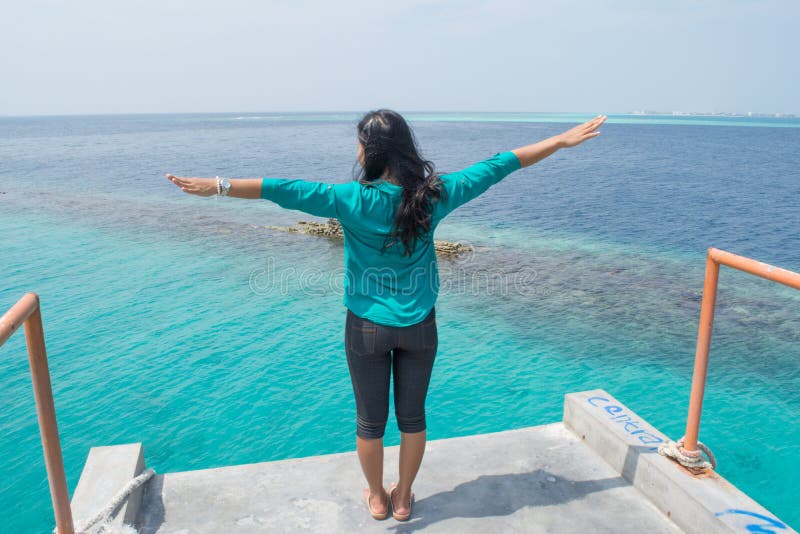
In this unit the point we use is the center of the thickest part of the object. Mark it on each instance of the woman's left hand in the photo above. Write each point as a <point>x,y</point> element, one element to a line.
<point>582,132</point>
<point>204,187</point>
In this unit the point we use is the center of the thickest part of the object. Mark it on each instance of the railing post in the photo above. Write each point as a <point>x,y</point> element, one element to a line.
<point>46,412</point>
<point>714,259</point>
<point>701,355</point>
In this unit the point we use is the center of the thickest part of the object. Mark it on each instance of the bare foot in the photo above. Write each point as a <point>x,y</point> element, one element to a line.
<point>401,502</point>
<point>379,504</point>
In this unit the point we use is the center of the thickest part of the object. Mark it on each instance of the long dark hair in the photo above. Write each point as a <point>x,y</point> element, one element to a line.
<point>389,145</point>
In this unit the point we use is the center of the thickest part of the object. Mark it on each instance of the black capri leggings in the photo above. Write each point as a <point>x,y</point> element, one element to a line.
<point>373,351</point>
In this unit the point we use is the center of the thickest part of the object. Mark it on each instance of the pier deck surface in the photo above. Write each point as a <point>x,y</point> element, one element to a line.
<point>536,479</point>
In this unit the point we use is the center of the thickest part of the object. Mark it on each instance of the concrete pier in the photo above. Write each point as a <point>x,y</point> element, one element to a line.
<point>596,471</point>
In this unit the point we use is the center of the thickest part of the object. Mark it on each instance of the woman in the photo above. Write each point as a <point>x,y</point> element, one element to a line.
<point>388,216</point>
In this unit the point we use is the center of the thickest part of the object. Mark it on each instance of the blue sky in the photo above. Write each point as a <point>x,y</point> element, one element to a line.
<point>501,55</point>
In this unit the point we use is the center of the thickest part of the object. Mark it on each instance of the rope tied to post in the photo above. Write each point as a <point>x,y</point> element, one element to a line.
<point>100,523</point>
<point>691,460</point>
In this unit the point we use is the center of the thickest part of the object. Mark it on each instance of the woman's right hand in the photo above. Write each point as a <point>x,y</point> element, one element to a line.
<point>204,187</point>
<point>582,132</point>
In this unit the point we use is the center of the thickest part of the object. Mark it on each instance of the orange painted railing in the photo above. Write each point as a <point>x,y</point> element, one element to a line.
<point>714,259</point>
<point>26,311</point>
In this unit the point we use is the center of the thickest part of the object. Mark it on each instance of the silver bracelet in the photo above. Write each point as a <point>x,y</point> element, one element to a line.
<point>223,186</point>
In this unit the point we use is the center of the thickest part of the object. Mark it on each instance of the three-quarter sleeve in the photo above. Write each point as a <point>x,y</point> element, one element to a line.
<point>462,186</point>
<point>315,198</point>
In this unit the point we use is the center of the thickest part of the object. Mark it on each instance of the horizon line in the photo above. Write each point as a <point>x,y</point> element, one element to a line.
<point>641,113</point>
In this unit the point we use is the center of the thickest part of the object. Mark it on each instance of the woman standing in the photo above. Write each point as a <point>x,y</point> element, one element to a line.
<point>388,217</point>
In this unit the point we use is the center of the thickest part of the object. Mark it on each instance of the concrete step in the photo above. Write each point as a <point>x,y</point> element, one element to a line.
<point>597,471</point>
<point>106,471</point>
<point>540,479</point>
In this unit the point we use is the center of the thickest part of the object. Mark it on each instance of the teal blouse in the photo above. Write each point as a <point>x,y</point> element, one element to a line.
<point>381,284</point>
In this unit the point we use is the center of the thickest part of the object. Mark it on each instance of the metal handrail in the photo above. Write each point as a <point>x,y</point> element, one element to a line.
<point>714,259</point>
<point>26,311</point>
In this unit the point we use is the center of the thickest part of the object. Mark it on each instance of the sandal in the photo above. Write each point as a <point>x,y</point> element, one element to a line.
<point>400,517</point>
<point>376,515</point>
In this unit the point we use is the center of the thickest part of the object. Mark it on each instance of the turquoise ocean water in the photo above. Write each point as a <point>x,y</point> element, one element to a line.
<point>190,325</point>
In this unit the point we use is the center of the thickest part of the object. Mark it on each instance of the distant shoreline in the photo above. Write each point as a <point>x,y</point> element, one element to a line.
<point>43,123</point>
<point>748,115</point>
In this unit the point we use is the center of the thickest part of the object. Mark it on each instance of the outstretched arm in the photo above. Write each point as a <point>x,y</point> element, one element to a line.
<point>205,187</point>
<point>530,154</point>
<point>462,186</point>
<point>316,198</point>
